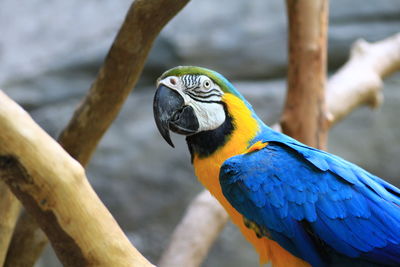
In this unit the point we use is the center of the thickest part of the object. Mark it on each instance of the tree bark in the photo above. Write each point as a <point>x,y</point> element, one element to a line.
<point>118,75</point>
<point>304,116</point>
<point>54,189</point>
<point>343,95</point>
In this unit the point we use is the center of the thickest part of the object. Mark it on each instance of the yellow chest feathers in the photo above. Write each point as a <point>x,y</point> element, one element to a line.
<point>207,169</point>
<point>245,129</point>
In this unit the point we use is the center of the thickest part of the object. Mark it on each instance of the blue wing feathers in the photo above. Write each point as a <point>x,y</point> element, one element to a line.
<point>353,212</point>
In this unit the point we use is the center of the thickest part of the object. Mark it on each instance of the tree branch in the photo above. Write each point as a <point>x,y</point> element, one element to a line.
<point>200,242</point>
<point>359,81</point>
<point>305,99</point>
<point>28,233</point>
<point>118,75</point>
<point>342,97</point>
<point>54,189</point>
<point>9,210</point>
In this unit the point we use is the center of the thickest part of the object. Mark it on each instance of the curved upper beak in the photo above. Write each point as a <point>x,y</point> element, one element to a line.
<point>170,113</point>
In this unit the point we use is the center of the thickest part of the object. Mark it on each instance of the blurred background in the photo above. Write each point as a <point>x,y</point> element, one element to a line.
<point>50,52</point>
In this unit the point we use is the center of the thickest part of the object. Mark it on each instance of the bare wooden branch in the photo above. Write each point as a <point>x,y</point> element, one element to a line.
<point>117,77</point>
<point>359,81</point>
<point>308,24</point>
<point>28,231</point>
<point>204,235</point>
<point>9,210</point>
<point>342,97</point>
<point>54,189</point>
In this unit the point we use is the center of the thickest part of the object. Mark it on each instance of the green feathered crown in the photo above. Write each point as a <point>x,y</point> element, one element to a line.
<point>223,83</point>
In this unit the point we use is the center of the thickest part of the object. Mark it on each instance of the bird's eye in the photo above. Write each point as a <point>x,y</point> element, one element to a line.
<point>172,81</point>
<point>207,84</point>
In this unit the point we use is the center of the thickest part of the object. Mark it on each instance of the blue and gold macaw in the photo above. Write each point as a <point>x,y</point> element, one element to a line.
<point>298,206</point>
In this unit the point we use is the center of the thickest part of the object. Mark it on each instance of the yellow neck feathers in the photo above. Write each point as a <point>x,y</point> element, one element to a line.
<point>245,129</point>
<point>207,169</point>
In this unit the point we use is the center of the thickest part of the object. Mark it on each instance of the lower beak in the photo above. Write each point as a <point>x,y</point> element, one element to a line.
<point>170,113</point>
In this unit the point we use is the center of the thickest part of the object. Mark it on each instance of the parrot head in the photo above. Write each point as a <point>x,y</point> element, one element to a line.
<point>190,100</point>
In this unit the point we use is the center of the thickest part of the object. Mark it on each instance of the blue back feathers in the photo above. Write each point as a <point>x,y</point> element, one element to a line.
<point>319,207</point>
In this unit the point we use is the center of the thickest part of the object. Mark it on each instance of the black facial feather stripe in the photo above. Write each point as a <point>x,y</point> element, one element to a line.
<point>202,96</point>
<point>195,91</point>
<point>208,91</point>
<point>204,101</point>
<point>191,81</point>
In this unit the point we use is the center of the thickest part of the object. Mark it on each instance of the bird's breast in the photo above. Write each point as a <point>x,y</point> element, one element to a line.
<point>246,128</point>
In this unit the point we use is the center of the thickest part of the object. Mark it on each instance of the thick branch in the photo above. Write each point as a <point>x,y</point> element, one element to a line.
<point>118,75</point>
<point>178,252</point>
<point>9,210</point>
<point>28,231</point>
<point>308,24</point>
<point>342,96</point>
<point>359,81</point>
<point>53,188</point>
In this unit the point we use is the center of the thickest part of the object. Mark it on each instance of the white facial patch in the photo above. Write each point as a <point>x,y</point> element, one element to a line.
<point>203,95</point>
<point>209,115</point>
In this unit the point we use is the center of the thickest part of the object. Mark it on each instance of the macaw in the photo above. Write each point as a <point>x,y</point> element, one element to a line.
<point>298,206</point>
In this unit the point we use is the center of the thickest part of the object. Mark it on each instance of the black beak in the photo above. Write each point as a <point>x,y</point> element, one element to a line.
<point>170,113</point>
